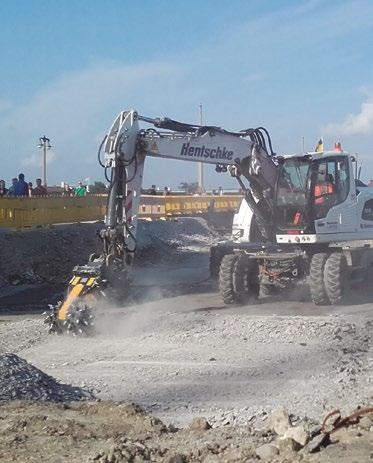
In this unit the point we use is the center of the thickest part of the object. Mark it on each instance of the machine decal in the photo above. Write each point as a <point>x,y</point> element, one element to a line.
<point>203,152</point>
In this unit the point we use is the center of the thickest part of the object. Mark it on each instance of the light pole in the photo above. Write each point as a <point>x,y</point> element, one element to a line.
<point>44,143</point>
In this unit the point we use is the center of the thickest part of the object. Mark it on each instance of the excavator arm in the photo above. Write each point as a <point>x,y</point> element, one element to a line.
<point>247,155</point>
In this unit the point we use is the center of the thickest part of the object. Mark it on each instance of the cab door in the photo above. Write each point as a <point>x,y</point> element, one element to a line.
<point>334,196</point>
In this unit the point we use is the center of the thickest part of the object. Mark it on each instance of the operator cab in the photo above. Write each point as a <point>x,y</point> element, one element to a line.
<point>308,186</point>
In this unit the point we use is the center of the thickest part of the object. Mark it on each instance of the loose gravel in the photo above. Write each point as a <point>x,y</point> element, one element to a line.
<point>21,380</point>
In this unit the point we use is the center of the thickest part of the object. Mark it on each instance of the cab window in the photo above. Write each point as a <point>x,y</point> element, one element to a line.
<point>368,210</point>
<point>331,184</point>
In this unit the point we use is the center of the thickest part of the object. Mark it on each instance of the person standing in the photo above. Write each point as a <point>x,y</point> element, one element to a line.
<point>30,190</point>
<point>3,190</point>
<point>67,191</point>
<point>39,190</point>
<point>21,186</point>
<point>12,188</point>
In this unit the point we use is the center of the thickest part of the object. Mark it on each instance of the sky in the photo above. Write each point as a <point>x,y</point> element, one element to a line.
<point>299,68</point>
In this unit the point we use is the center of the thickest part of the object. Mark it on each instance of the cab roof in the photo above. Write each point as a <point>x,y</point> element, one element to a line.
<point>317,155</point>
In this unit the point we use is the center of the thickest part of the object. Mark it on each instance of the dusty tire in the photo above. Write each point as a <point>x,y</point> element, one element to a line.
<point>319,295</point>
<point>226,279</point>
<point>335,277</point>
<point>246,279</point>
<point>267,290</point>
<point>216,256</point>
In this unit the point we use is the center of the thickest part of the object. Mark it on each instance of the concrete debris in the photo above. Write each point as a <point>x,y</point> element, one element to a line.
<point>286,445</point>
<point>20,380</point>
<point>298,434</point>
<point>366,422</point>
<point>199,424</point>
<point>279,421</point>
<point>315,444</point>
<point>267,452</point>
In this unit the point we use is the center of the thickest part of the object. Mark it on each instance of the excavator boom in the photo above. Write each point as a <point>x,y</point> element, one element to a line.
<point>247,155</point>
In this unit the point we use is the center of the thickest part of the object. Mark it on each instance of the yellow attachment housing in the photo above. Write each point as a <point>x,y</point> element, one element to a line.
<point>74,293</point>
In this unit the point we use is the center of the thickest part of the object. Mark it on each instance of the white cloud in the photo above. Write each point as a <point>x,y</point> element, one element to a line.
<point>74,111</point>
<point>354,124</point>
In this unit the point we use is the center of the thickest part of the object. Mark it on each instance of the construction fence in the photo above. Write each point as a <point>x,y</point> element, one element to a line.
<point>33,212</point>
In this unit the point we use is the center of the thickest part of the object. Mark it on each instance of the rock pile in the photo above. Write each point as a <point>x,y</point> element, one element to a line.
<point>21,380</point>
<point>183,232</point>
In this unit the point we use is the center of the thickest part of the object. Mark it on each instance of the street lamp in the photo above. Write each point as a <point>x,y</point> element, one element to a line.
<point>44,143</point>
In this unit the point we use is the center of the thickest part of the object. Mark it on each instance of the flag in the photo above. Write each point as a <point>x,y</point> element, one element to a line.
<point>320,146</point>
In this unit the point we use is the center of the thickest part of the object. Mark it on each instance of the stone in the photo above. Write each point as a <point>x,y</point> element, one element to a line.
<point>279,421</point>
<point>267,452</point>
<point>345,436</point>
<point>315,444</point>
<point>286,445</point>
<point>297,433</point>
<point>199,424</point>
<point>179,458</point>
<point>365,423</point>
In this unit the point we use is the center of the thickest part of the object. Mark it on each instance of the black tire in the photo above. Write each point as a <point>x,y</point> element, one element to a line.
<point>226,279</point>
<point>319,295</point>
<point>246,279</point>
<point>216,255</point>
<point>335,277</point>
<point>267,290</point>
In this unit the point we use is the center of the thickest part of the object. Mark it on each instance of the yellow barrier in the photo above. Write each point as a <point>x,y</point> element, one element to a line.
<point>186,205</point>
<point>33,212</point>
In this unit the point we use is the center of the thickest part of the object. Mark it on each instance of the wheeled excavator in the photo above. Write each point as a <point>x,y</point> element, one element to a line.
<point>302,216</point>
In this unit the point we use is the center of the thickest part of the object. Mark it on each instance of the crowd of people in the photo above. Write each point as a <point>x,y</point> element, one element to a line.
<point>20,187</point>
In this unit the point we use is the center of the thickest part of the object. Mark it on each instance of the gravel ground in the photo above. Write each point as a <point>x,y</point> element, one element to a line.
<point>181,353</point>
<point>184,356</point>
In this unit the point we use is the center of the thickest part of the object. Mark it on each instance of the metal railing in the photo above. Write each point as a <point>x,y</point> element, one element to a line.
<point>33,212</point>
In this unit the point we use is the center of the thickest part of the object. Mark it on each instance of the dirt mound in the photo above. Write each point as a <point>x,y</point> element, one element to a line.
<point>21,380</point>
<point>49,255</point>
<point>108,432</point>
<point>44,255</point>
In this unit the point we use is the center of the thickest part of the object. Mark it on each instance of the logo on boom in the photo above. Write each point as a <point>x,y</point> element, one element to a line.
<point>218,153</point>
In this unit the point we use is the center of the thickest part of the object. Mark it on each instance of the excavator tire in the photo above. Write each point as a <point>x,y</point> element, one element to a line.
<point>319,295</point>
<point>226,279</point>
<point>246,279</point>
<point>216,255</point>
<point>267,290</point>
<point>335,277</point>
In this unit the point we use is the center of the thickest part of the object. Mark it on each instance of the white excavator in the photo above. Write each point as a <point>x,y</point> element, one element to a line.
<point>302,216</point>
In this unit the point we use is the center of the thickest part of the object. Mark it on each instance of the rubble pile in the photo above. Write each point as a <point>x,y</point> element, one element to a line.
<point>44,255</point>
<point>49,255</point>
<point>182,232</point>
<point>21,380</point>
